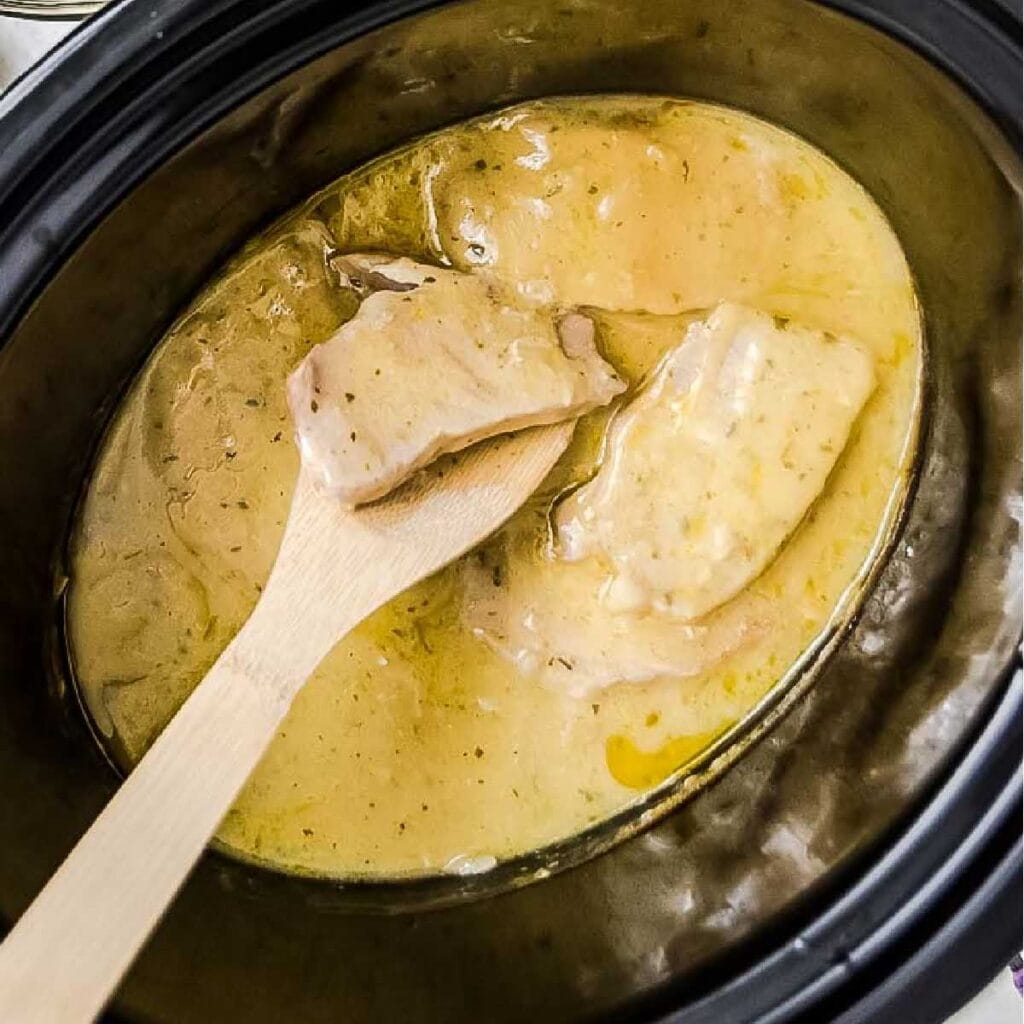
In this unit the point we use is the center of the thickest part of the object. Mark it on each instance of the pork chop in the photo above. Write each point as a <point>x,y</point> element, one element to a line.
<point>433,361</point>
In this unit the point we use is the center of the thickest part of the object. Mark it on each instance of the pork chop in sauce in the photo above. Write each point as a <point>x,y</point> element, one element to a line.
<point>434,361</point>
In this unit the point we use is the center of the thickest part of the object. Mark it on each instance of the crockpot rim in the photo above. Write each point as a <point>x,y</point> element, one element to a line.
<point>34,108</point>
<point>871,979</point>
<point>30,143</point>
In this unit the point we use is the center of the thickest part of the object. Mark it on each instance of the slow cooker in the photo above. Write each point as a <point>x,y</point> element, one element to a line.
<point>861,861</point>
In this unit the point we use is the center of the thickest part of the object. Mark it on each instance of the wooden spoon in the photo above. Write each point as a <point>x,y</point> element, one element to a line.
<point>64,958</point>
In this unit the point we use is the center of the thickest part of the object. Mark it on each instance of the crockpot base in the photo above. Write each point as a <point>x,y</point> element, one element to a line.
<point>146,149</point>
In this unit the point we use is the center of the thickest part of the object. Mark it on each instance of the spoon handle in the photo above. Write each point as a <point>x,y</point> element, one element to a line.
<point>64,958</point>
<point>66,955</point>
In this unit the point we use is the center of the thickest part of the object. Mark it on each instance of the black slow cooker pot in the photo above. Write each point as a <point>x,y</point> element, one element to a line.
<point>862,861</point>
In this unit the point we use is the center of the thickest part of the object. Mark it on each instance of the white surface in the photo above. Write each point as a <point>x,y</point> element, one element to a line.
<point>24,42</point>
<point>997,1003</point>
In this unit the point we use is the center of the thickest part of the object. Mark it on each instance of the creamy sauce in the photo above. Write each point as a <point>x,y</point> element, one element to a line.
<point>417,746</point>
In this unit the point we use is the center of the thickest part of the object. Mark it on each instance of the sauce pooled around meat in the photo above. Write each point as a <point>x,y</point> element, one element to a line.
<point>734,324</point>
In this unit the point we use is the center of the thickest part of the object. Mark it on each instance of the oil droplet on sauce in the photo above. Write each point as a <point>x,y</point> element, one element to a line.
<point>640,769</point>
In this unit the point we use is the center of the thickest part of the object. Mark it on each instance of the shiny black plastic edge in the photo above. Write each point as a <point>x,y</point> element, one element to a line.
<point>875,954</point>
